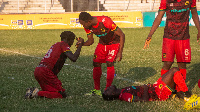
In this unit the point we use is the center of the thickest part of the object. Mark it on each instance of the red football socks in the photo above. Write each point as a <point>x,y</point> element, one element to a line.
<point>97,76</point>
<point>49,94</point>
<point>180,82</point>
<point>110,76</point>
<point>163,71</point>
<point>183,72</point>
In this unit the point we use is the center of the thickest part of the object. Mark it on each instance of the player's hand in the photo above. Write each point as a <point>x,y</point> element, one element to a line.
<point>147,42</point>
<point>198,37</point>
<point>118,57</point>
<point>80,41</point>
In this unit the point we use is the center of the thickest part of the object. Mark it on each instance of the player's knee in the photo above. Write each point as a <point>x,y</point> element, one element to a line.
<point>96,64</point>
<point>175,69</point>
<point>109,64</point>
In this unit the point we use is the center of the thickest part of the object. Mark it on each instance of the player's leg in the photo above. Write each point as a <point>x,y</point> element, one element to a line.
<point>182,67</point>
<point>174,76</point>
<point>183,55</point>
<point>112,52</point>
<point>168,54</point>
<point>166,66</point>
<point>50,84</point>
<point>110,73</point>
<point>97,75</point>
<point>98,59</point>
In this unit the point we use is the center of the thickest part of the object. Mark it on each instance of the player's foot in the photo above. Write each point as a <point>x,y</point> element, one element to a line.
<point>194,102</point>
<point>184,95</point>
<point>94,92</point>
<point>31,93</point>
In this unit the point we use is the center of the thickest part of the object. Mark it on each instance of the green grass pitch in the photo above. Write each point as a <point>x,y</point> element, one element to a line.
<point>22,50</point>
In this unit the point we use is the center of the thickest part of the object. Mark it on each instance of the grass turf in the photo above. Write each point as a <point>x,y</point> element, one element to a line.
<point>22,50</point>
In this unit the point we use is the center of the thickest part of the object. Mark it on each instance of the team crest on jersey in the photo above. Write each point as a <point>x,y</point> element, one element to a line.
<point>95,56</point>
<point>160,86</point>
<point>187,3</point>
<point>164,55</point>
<point>103,30</point>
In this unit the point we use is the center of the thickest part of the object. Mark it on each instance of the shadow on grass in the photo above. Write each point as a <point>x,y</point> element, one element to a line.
<point>141,73</point>
<point>193,75</point>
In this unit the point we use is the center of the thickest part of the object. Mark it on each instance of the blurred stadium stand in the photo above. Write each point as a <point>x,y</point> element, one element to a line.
<point>61,6</point>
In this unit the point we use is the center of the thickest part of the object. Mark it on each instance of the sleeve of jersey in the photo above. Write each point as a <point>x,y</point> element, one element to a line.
<point>126,97</point>
<point>65,47</point>
<point>193,6</point>
<point>88,32</point>
<point>163,5</point>
<point>108,23</point>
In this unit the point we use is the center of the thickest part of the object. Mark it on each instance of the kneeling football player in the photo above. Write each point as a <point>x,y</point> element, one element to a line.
<point>51,64</point>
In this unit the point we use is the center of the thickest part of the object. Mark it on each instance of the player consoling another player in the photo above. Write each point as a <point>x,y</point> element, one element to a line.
<point>51,64</point>
<point>109,48</point>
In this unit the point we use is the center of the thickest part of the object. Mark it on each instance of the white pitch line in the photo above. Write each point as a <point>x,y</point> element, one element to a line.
<point>79,67</point>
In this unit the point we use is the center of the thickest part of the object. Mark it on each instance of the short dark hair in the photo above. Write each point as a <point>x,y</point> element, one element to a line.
<point>67,35</point>
<point>84,16</point>
<point>108,97</point>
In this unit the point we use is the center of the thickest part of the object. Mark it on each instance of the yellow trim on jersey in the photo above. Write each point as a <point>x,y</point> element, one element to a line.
<point>89,33</point>
<point>162,10</point>
<point>68,50</point>
<point>115,28</point>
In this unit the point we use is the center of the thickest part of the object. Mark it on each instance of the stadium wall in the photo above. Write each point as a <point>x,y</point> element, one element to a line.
<point>66,20</point>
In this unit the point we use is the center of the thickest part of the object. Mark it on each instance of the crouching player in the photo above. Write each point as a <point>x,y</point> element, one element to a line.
<point>51,64</point>
<point>160,90</point>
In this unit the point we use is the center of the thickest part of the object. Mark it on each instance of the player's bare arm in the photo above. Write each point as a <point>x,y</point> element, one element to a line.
<point>155,25</point>
<point>195,18</point>
<point>74,57</point>
<point>122,40</point>
<point>90,40</point>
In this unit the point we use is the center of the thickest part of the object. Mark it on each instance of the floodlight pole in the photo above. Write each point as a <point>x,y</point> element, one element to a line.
<point>45,6</point>
<point>18,6</point>
<point>97,5</point>
<point>72,5</point>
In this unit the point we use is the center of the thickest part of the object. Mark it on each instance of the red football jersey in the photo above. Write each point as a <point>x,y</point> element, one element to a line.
<point>177,22</point>
<point>55,57</point>
<point>128,94</point>
<point>105,31</point>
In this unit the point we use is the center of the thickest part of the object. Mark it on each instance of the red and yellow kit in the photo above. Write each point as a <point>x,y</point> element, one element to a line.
<point>129,93</point>
<point>105,31</point>
<point>162,90</point>
<point>176,33</point>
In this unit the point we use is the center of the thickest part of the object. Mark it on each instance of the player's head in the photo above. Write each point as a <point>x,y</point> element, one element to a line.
<point>68,37</point>
<point>85,19</point>
<point>110,93</point>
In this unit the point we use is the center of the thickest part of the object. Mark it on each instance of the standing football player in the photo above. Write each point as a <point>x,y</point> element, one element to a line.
<point>176,39</point>
<point>109,48</point>
<point>51,64</point>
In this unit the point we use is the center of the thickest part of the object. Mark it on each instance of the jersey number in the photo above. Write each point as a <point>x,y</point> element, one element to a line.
<point>187,52</point>
<point>111,52</point>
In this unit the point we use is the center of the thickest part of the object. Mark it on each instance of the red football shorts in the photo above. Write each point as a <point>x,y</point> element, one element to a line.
<point>48,80</point>
<point>105,53</point>
<point>180,48</point>
<point>162,90</point>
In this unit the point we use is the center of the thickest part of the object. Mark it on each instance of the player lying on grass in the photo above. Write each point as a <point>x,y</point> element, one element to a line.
<point>160,90</point>
<point>51,64</point>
